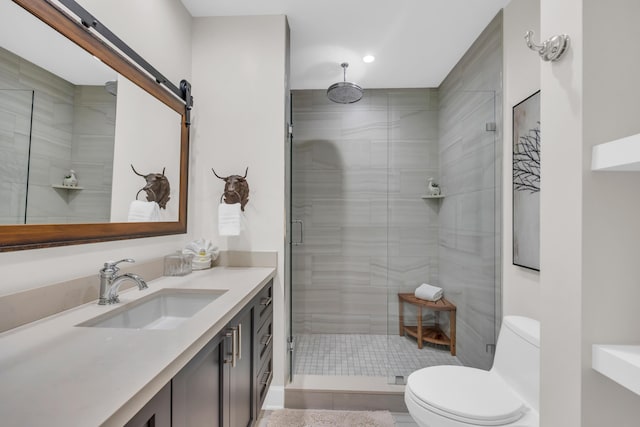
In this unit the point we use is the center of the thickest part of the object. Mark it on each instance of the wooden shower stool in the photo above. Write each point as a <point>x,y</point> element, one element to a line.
<point>432,334</point>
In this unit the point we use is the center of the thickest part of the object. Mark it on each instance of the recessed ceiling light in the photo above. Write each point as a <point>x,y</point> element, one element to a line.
<point>369,58</point>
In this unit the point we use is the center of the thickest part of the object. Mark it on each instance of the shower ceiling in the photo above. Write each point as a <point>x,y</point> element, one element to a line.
<point>416,42</point>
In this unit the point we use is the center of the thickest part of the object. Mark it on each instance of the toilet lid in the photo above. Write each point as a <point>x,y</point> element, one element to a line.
<point>466,394</point>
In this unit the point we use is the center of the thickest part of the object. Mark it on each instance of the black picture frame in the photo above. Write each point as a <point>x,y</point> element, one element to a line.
<point>526,183</point>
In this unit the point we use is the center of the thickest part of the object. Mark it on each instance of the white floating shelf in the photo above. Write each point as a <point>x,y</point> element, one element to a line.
<point>64,187</point>
<point>621,155</point>
<point>621,363</point>
<point>441,196</point>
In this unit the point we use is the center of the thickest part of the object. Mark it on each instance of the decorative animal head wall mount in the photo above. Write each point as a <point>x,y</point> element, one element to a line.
<point>157,188</point>
<point>236,189</point>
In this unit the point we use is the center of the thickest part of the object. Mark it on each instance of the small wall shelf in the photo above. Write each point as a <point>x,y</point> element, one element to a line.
<point>441,196</point>
<point>63,187</point>
<point>621,155</point>
<point>621,363</point>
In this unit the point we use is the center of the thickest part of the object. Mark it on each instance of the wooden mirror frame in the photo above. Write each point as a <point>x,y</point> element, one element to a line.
<point>28,236</point>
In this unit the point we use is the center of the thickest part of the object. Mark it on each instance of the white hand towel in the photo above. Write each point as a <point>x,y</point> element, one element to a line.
<point>229,219</point>
<point>140,211</point>
<point>428,292</point>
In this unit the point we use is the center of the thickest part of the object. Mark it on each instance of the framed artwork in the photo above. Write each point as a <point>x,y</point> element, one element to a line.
<point>526,183</point>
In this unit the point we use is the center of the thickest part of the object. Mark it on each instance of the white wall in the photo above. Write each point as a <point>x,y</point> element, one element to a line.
<point>589,280</point>
<point>611,205</point>
<point>239,85</point>
<point>521,78</point>
<point>561,219</point>
<point>168,50</point>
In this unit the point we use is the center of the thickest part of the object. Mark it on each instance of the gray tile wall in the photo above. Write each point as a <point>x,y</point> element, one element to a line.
<point>94,125</point>
<point>469,244</point>
<point>15,128</point>
<point>59,142</point>
<point>358,173</point>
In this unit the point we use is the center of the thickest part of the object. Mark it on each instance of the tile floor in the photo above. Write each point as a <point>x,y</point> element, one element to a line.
<point>365,355</point>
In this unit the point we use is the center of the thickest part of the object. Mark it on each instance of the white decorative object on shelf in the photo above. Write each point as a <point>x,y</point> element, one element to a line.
<point>433,188</point>
<point>621,363</point>
<point>70,180</point>
<point>621,155</point>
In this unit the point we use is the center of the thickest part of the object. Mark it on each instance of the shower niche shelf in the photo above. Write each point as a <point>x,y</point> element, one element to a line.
<point>64,187</point>
<point>426,196</point>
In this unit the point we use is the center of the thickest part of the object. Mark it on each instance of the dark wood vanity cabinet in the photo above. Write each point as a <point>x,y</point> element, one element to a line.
<point>156,413</point>
<point>225,384</point>
<point>196,389</point>
<point>263,346</point>
<point>238,383</point>
<point>215,387</point>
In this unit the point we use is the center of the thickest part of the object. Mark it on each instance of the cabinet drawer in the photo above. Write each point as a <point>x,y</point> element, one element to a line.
<point>264,340</point>
<point>264,304</point>
<point>263,380</point>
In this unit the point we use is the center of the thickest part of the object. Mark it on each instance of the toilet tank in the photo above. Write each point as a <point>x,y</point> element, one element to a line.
<point>517,358</point>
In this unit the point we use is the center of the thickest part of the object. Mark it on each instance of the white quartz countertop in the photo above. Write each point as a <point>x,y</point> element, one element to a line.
<point>53,373</point>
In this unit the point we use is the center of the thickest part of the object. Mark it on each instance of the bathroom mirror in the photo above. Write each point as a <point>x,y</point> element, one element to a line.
<point>70,101</point>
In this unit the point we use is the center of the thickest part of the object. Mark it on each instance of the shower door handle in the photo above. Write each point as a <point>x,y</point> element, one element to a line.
<point>298,221</point>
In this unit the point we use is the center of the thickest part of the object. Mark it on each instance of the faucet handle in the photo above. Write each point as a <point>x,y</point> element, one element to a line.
<point>111,265</point>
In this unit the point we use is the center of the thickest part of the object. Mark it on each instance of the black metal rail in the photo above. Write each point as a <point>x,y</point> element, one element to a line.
<point>88,20</point>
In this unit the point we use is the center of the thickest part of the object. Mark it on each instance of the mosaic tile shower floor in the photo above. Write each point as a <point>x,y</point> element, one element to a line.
<point>365,355</point>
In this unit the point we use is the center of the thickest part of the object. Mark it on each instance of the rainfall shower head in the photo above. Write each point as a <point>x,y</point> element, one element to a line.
<point>344,92</point>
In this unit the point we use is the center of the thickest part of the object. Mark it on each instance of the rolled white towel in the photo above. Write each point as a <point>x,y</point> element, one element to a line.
<point>428,292</point>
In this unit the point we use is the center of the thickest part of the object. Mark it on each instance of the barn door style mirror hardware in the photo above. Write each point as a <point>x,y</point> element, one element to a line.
<point>236,189</point>
<point>551,49</point>
<point>89,21</point>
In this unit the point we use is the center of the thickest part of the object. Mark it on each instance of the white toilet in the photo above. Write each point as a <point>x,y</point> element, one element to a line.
<point>507,395</point>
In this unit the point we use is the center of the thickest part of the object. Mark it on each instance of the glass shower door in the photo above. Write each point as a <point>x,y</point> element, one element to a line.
<point>339,235</point>
<point>452,241</point>
<point>16,110</point>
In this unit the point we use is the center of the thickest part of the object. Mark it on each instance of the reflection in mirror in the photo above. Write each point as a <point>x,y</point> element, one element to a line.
<point>148,141</point>
<point>62,126</point>
<point>150,130</point>
<point>74,114</point>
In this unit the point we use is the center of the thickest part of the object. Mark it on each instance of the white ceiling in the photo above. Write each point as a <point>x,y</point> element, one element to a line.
<point>416,42</point>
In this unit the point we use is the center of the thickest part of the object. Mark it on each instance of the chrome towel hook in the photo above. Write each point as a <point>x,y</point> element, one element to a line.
<point>551,49</point>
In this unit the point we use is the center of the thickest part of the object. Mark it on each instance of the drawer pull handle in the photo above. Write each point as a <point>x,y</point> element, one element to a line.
<point>239,341</point>
<point>233,334</point>
<point>266,377</point>
<point>266,340</point>
<point>266,301</point>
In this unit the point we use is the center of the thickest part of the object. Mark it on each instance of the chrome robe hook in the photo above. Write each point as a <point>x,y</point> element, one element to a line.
<point>551,49</point>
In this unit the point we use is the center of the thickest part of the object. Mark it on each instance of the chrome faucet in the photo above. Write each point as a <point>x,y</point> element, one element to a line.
<point>110,282</point>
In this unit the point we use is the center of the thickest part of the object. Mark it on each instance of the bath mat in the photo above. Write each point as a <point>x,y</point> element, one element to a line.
<point>323,418</point>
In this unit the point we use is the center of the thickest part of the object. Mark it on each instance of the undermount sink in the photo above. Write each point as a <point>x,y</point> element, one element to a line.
<point>165,309</point>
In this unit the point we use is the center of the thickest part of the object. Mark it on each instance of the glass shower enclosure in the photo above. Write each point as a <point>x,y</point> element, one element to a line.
<point>362,230</point>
